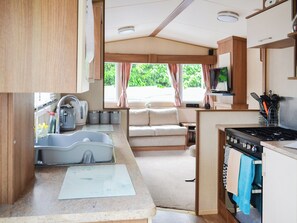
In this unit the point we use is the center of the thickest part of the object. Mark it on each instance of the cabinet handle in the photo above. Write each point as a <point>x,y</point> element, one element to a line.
<point>268,38</point>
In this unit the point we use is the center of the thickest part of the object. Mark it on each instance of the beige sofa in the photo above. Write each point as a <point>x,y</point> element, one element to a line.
<point>152,129</point>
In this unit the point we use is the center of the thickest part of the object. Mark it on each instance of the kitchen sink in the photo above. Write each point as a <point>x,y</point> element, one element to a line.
<point>78,147</point>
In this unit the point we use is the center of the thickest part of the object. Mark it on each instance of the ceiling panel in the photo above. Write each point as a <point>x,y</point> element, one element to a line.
<point>145,15</point>
<point>197,24</point>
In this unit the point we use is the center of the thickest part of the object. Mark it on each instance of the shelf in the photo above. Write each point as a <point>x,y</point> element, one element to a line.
<point>221,94</point>
<point>293,35</point>
<point>292,78</point>
<point>263,10</point>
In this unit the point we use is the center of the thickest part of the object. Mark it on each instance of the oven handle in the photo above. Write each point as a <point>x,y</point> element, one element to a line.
<point>256,162</point>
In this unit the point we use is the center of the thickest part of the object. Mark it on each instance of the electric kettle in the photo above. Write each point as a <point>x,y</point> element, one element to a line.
<point>81,112</point>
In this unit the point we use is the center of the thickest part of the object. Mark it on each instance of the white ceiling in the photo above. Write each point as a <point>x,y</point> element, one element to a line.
<point>197,24</point>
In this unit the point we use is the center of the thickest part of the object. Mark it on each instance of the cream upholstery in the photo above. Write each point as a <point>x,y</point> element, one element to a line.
<point>139,117</point>
<point>156,127</point>
<point>167,130</point>
<point>163,116</point>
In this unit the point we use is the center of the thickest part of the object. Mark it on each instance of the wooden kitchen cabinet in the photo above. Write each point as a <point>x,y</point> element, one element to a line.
<point>98,7</point>
<point>236,46</point>
<point>269,29</point>
<point>42,46</point>
<point>16,145</point>
<point>279,187</point>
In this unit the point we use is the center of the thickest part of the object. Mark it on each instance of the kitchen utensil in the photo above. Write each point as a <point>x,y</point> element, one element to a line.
<point>257,98</point>
<point>265,107</point>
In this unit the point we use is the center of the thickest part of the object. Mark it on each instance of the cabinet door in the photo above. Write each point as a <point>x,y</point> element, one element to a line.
<point>39,46</point>
<point>269,26</point>
<point>16,145</point>
<point>279,188</point>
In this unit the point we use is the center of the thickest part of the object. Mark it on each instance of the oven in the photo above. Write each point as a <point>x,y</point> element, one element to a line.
<point>251,148</point>
<point>248,142</point>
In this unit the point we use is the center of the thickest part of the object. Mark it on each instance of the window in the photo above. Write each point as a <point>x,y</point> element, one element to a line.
<point>110,82</point>
<point>149,82</point>
<point>193,88</point>
<point>42,99</point>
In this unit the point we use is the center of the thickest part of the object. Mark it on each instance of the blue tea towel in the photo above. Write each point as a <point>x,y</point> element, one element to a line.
<point>246,178</point>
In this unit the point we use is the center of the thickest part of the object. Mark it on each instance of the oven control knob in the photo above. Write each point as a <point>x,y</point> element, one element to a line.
<point>235,141</point>
<point>232,139</point>
<point>254,149</point>
<point>228,138</point>
<point>248,146</point>
<point>244,145</point>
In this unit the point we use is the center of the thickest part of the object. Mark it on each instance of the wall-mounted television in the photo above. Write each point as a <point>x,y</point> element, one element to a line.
<point>220,80</point>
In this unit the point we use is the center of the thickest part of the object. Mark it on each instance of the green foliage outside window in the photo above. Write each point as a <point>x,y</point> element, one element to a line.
<point>155,75</point>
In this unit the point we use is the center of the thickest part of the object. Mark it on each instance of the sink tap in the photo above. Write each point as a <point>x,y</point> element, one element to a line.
<point>61,101</point>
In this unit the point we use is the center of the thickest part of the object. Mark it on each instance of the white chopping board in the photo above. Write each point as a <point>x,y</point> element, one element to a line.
<point>292,145</point>
<point>96,181</point>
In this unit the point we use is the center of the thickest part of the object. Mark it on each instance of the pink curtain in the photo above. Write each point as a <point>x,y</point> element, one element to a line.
<point>174,74</point>
<point>206,77</point>
<point>125,69</point>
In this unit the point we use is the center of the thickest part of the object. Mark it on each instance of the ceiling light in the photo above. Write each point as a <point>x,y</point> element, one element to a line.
<point>126,30</point>
<point>227,16</point>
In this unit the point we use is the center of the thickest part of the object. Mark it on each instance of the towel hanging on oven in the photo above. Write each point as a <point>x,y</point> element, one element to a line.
<point>233,171</point>
<point>225,165</point>
<point>246,178</point>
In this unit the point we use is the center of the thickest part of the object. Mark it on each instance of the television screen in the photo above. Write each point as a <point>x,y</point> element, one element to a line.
<point>219,80</point>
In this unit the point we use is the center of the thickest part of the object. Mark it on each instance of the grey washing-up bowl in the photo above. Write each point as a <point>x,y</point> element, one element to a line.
<point>78,147</point>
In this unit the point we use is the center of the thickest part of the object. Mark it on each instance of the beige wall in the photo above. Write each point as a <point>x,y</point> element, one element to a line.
<point>280,67</point>
<point>254,76</point>
<point>94,96</point>
<point>153,45</point>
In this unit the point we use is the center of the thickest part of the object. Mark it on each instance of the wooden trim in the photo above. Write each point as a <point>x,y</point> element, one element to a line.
<point>179,9</point>
<point>155,58</point>
<point>292,78</point>
<point>263,10</point>
<point>4,148</point>
<point>197,164</point>
<point>157,148</point>
<point>264,69</point>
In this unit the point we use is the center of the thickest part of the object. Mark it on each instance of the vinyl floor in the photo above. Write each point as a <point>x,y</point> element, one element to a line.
<point>176,216</point>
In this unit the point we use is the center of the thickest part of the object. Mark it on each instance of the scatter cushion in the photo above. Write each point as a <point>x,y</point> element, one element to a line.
<point>168,130</point>
<point>139,117</point>
<point>166,116</point>
<point>141,131</point>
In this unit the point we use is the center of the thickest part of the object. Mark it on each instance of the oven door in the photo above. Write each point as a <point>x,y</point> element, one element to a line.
<point>255,215</point>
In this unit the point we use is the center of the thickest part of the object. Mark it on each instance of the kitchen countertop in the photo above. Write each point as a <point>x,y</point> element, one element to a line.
<point>40,203</point>
<point>278,146</point>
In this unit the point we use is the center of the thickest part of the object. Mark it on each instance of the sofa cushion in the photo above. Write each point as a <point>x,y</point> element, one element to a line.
<point>167,130</point>
<point>166,116</point>
<point>139,117</point>
<point>141,131</point>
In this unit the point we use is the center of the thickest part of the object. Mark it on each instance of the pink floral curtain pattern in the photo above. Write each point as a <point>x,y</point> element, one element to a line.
<point>125,69</point>
<point>206,77</point>
<point>174,74</point>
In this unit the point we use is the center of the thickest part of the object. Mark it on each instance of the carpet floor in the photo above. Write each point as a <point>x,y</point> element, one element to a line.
<point>164,173</point>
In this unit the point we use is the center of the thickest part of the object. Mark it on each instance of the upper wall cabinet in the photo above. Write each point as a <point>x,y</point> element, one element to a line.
<point>43,45</point>
<point>270,28</point>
